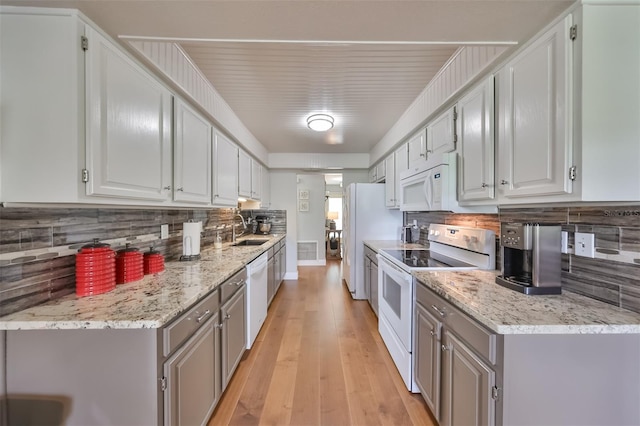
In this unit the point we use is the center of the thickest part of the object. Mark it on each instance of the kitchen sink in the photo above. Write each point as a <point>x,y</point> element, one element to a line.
<point>250,243</point>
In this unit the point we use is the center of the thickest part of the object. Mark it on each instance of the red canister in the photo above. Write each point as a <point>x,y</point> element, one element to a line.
<point>153,262</point>
<point>129,265</point>
<point>95,269</point>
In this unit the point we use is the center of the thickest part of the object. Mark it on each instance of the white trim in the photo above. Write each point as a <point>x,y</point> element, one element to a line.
<point>319,262</point>
<point>291,275</point>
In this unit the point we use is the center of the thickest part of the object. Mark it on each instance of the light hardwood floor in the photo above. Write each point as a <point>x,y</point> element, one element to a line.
<point>319,360</point>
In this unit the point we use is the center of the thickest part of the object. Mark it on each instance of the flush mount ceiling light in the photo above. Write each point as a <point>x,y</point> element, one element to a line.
<point>320,122</point>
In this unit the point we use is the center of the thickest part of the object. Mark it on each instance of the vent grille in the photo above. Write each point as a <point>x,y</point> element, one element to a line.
<point>307,250</point>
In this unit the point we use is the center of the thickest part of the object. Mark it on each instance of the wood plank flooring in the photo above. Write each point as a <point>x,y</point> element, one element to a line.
<point>319,360</point>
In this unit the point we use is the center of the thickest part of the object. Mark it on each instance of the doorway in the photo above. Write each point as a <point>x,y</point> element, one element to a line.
<point>333,214</point>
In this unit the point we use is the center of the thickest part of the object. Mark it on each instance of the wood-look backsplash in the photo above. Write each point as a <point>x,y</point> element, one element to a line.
<point>37,245</point>
<point>613,276</point>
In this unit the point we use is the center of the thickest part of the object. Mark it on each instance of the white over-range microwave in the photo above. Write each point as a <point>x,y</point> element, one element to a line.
<point>430,187</point>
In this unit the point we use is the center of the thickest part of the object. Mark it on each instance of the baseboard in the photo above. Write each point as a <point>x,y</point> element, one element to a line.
<point>291,275</point>
<point>318,262</point>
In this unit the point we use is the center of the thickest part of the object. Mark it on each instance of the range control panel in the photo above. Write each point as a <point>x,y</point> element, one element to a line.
<point>474,239</point>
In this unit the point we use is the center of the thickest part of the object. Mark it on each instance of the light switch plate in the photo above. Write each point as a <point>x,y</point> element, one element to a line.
<point>164,231</point>
<point>585,244</point>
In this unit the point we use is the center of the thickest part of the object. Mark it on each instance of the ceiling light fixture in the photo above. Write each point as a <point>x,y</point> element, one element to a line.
<point>320,122</point>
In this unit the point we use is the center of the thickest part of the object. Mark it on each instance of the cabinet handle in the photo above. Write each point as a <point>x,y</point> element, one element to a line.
<point>484,185</point>
<point>216,195</point>
<point>227,316</point>
<point>438,310</point>
<point>168,188</point>
<point>422,154</point>
<point>503,182</point>
<point>444,348</point>
<point>200,318</point>
<point>432,333</point>
<point>429,151</point>
<point>219,326</point>
<point>236,283</point>
<point>180,189</point>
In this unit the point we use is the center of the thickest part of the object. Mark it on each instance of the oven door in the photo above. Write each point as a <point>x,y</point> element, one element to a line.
<point>395,319</point>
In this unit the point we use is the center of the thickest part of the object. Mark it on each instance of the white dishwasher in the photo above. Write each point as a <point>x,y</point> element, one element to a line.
<point>256,296</point>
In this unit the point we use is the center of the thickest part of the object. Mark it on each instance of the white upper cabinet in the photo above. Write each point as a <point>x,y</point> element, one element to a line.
<point>417,148</point>
<point>256,180</point>
<point>265,196</point>
<point>192,156</point>
<point>390,182</point>
<point>535,145</point>
<point>244,174</point>
<point>381,171</point>
<point>128,126</point>
<point>225,172</point>
<point>476,144</point>
<point>441,134</point>
<point>42,108</point>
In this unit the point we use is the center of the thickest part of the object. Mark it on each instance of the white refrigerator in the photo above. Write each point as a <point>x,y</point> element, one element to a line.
<point>365,217</point>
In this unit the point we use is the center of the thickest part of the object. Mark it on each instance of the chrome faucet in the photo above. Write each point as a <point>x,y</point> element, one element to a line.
<point>233,227</point>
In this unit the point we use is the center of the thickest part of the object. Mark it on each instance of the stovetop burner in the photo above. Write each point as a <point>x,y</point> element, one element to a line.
<point>424,258</point>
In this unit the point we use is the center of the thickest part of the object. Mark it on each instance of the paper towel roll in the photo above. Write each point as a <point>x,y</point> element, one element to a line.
<point>191,238</point>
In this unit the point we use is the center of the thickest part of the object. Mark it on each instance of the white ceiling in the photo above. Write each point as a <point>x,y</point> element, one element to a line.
<point>276,62</point>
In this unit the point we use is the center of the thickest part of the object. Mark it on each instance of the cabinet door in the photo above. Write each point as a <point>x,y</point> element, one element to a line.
<point>441,136</point>
<point>193,378</point>
<point>476,144</point>
<point>417,148</point>
<point>256,180</point>
<point>427,363</point>
<point>244,174</point>
<point>265,197</point>
<point>401,156</point>
<point>535,136</point>
<point>466,386</point>
<point>374,287</point>
<point>128,126</point>
<point>234,334</point>
<point>373,174</point>
<point>271,277</point>
<point>390,182</point>
<point>225,177</point>
<point>191,156</point>
<point>381,171</point>
<point>367,278</point>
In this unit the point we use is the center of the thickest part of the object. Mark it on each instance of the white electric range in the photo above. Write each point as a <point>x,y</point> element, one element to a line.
<point>450,248</point>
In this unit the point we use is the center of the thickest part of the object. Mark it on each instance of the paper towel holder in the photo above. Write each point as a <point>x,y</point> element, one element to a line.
<point>187,246</point>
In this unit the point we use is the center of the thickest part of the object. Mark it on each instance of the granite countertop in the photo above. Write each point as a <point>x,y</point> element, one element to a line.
<point>508,312</point>
<point>149,303</point>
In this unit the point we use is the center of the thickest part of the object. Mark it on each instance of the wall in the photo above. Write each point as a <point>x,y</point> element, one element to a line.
<point>354,176</point>
<point>311,223</point>
<point>37,245</point>
<point>613,276</point>
<point>284,187</point>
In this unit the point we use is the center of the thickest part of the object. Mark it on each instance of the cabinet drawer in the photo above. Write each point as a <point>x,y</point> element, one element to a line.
<point>233,284</point>
<point>187,324</point>
<point>479,338</point>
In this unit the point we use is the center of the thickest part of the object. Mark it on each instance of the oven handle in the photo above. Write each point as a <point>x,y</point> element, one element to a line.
<point>393,269</point>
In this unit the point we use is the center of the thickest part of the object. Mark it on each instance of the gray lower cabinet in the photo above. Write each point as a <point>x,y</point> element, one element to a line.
<point>193,380</point>
<point>371,278</point>
<point>454,362</point>
<point>467,384</point>
<point>427,365</point>
<point>234,338</point>
<point>273,270</point>
<point>470,375</point>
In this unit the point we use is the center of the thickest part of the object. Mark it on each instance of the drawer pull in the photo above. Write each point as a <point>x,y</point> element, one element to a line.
<point>219,326</point>
<point>432,333</point>
<point>236,283</point>
<point>444,348</point>
<point>441,313</point>
<point>201,317</point>
<point>226,317</point>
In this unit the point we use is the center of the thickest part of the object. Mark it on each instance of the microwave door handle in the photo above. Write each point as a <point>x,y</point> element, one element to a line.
<point>428,190</point>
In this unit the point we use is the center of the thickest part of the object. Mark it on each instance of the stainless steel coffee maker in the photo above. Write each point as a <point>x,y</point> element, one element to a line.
<point>531,258</point>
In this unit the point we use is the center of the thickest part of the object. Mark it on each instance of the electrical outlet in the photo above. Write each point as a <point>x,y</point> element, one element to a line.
<point>164,231</point>
<point>565,242</point>
<point>585,244</point>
